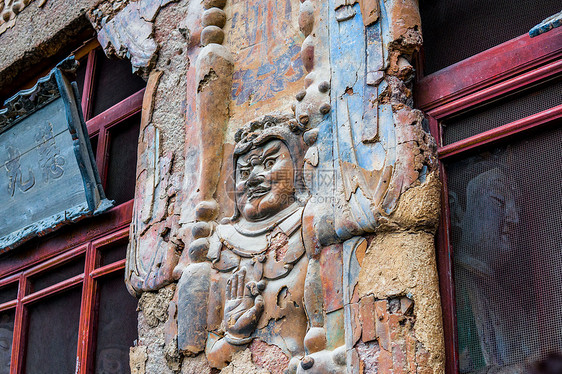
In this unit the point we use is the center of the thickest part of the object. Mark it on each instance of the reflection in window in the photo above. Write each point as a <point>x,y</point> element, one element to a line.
<point>121,174</point>
<point>506,233</point>
<point>53,333</point>
<point>6,336</point>
<point>485,242</point>
<point>9,292</point>
<point>117,326</point>
<point>58,274</point>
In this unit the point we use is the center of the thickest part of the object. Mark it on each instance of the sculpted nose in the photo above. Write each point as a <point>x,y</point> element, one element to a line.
<point>255,178</point>
<point>511,214</point>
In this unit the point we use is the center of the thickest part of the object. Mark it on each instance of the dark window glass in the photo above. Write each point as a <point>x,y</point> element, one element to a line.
<point>457,29</point>
<point>117,325</point>
<point>53,333</point>
<point>60,273</point>
<point>113,252</point>
<point>6,336</point>
<point>121,171</point>
<point>114,82</point>
<point>81,75</point>
<point>502,112</point>
<point>9,292</point>
<point>506,233</point>
<point>94,143</point>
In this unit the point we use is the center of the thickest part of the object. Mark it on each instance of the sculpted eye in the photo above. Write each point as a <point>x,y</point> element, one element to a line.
<point>499,201</point>
<point>244,173</point>
<point>269,164</point>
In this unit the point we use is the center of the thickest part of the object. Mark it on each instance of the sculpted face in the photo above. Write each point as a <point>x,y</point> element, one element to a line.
<point>5,350</point>
<point>111,361</point>
<point>490,221</point>
<point>264,181</point>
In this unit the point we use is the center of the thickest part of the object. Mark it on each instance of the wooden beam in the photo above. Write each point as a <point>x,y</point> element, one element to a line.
<point>104,270</point>
<point>545,117</point>
<point>499,90</point>
<point>67,237</point>
<point>487,68</point>
<point>54,289</point>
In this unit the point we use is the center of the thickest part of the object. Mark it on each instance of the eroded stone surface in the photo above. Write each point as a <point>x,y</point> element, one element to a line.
<point>152,315</point>
<point>325,95</point>
<point>361,262</point>
<point>39,33</point>
<point>242,364</point>
<point>198,365</point>
<point>137,360</point>
<point>154,305</point>
<point>153,256</point>
<point>388,343</point>
<point>397,264</point>
<point>128,31</point>
<point>269,357</point>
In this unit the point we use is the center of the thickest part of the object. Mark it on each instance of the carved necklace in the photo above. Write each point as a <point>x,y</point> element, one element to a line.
<point>269,225</point>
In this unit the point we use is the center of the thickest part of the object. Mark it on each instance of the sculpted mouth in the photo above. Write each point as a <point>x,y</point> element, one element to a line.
<point>508,229</point>
<point>258,192</point>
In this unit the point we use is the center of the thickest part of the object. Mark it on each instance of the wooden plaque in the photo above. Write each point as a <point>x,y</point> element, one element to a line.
<point>48,176</point>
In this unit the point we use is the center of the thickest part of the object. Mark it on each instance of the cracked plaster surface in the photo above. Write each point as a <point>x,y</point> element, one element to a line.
<point>130,32</point>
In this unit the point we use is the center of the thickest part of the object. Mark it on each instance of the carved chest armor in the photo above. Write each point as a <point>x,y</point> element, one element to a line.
<point>274,256</point>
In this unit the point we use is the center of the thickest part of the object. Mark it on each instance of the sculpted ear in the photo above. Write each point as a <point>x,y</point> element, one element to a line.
<point>456,210</point>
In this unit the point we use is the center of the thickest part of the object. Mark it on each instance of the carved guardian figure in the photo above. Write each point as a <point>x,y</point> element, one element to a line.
<point>312,190</point>
<point>255,267</point>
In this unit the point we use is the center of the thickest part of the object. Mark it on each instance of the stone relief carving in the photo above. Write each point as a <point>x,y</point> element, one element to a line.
<point>9,9</point>
<point>151,260</point>
<point>264,43</point>
<point>254,270</point>
<point>262,273</point>
<point>153,218</point>
<point>130,32</point>
<point>309,188</point>
<point>213,74</point>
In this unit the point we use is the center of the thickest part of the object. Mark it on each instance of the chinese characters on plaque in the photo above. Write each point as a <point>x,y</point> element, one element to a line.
<point>47,173</point>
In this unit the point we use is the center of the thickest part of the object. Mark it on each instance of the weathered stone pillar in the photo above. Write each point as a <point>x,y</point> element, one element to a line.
<point>287,193</point>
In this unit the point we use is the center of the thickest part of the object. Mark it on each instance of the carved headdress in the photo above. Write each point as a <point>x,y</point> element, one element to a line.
<point>258,132</point>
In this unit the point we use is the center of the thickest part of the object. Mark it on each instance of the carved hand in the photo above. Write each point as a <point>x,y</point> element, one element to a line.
<point>243,307</point>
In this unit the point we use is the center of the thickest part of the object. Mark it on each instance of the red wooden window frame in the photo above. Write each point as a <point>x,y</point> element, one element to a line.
<point>505,69</point>
<point>85,239</point>
<point>99,125</point>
